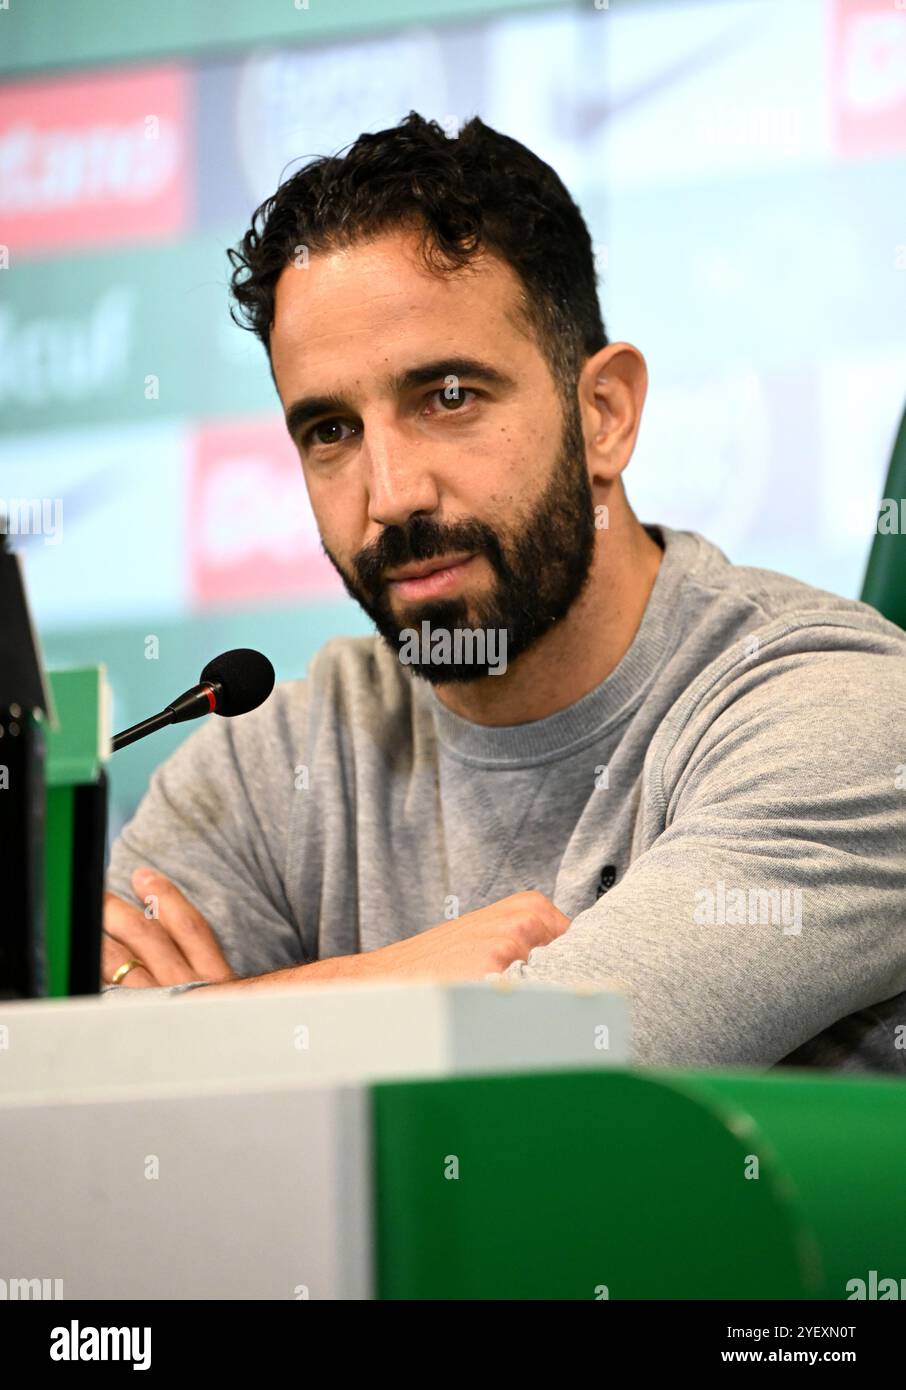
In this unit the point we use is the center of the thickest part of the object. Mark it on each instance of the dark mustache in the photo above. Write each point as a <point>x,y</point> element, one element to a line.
<point>423,539</point>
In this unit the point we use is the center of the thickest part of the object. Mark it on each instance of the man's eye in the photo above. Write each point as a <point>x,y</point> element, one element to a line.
<point>313,436</point>
<point>324,433</point>
<point>452,400</point>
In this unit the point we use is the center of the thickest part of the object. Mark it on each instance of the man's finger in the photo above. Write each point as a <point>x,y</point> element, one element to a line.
<point>184,924</point>
<point>113,955</point>
<point>145,938</point>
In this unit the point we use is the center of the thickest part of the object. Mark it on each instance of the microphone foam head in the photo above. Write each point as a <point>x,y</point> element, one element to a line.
<point>247,678</point>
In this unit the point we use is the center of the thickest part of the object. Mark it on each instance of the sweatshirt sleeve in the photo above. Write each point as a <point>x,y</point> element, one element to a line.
<point>215,820</point>
<point>773,901</point>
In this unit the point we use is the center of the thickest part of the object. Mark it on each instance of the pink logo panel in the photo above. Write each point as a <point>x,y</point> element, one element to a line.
<point>96,160</point>
<point>869,77</point>
<point>250,529</point>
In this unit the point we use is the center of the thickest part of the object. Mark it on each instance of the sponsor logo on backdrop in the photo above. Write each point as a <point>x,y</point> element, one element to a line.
<point>94,160</point>
<point>250,530</point>
<point>64,358</point>
<point>294,103</point>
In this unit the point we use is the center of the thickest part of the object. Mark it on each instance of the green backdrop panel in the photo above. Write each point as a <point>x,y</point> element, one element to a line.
<point>45,33</point>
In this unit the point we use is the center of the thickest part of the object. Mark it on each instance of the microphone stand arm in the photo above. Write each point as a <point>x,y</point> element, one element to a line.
<point>201,699</point>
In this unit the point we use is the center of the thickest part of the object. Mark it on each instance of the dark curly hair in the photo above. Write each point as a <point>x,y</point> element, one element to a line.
<point>478,191</point>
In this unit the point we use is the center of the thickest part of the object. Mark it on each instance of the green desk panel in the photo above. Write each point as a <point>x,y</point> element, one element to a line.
<point>582,1185</point>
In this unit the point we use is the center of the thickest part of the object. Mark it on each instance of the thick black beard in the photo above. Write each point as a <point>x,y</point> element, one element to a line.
<point>541,569</point>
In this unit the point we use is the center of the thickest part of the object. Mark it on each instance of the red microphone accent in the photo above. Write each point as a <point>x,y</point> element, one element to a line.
<point>212,699</point>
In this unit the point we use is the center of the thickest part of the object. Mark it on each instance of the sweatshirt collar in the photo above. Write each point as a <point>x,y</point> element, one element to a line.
<point>602,709</point>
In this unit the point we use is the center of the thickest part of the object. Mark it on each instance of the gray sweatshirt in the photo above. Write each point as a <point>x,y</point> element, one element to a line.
<point>723,820</point>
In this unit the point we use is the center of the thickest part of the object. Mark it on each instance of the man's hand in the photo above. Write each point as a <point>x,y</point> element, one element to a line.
<point>466,948</point>
<point>470,947</point>
<point>170,937</point>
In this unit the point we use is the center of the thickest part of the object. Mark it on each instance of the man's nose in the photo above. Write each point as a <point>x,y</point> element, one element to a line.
<point>398,478</point>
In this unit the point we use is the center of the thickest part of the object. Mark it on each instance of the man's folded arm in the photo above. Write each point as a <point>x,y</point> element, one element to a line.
<point>774,903</point>
<point>215,821</point>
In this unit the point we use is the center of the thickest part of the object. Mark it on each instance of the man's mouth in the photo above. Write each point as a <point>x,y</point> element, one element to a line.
<point>428,578</point>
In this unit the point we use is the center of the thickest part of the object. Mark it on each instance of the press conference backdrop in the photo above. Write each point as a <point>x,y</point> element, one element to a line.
<point>741,166</point>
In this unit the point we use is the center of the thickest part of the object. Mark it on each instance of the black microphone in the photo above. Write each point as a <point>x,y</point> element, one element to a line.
<point>232,683</point>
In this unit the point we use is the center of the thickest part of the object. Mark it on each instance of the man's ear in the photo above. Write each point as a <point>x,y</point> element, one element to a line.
<point>612,388</point>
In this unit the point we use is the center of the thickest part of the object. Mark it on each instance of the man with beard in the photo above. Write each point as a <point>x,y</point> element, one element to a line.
<point>685,778</point>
